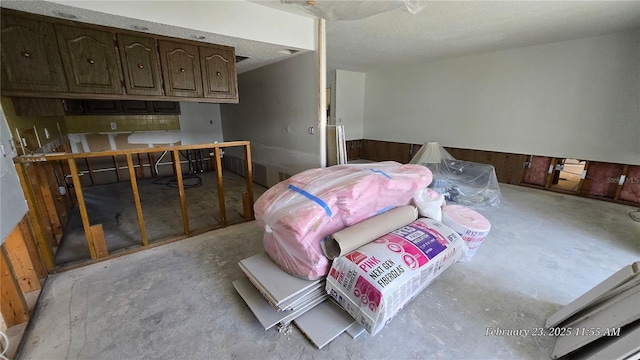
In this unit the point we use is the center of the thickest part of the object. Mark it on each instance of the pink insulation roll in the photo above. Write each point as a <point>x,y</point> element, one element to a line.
<point>298,213</point>
<point>470,224</point>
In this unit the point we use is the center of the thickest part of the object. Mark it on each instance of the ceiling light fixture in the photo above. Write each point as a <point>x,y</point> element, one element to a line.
<point>353,10</point>
<point>65,15</point>
<point>139,27</point>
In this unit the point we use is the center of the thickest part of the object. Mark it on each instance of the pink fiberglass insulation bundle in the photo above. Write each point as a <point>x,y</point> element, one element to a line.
<point>298,213</point>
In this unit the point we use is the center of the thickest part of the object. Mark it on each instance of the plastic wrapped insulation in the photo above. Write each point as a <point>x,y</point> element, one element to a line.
<point>298,213</point>
<point>464,182</point>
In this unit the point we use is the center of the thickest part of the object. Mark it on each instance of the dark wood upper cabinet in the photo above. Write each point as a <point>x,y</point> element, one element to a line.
<point>30,58</point>
<point>218,72</point>
<point>140,65</point>
<point>89,59</point>
<point>180,69</point>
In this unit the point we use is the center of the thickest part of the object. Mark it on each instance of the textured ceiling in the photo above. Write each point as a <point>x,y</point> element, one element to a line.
<point>442,29</point>
<point>454,28</point>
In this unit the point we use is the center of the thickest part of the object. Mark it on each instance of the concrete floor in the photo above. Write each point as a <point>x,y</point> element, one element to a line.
<point>177,302</point>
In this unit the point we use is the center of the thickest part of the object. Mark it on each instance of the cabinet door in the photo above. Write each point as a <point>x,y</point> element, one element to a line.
<point>141,65</point>
<point>89,59</point>
<point>30,58</point>
<point>180,69</point>
<point>219,73</point>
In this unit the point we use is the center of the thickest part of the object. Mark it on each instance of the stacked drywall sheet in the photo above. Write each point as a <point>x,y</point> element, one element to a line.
<point>277,298</point>
<point>604,323</point>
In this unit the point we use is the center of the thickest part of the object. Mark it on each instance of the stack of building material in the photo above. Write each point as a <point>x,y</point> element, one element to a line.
<point>604,323</point>
<point>277,298</point>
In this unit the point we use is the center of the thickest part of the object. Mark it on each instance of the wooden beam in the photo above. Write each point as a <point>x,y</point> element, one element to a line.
<point>44,245</point>
<point>66,156</point>
<point>49,203</point>
<point>183,201</point>
<point>99,242</point>
<point>30,242</point>
<point>581,183</point>
<point>221,205</point>
<point>554,161</point>
<point>625,170</point>
<point>20,258</point>
<point>247,206</point>
<point>13,305</point>
<point>136,198</point>
<point>86,224</point>
<point>249,177</point>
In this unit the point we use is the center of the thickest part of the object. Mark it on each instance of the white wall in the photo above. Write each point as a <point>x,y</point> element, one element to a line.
<point>349,103</point>
<point>574,99</point>
<point>13,205</point>
<point>272,98</point>
<point>200,123</point>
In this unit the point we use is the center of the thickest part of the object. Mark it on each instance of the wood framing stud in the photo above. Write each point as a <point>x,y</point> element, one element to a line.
<point>183,201</point>
<point>136,198</point>
<point>20,258</point>
<point>30,243</point>
<point>223,211</point>
<point>82,206</point>
<point>249,179</point>
<point>13,305</point>
<point>99,242</point>
<point>41,238</point>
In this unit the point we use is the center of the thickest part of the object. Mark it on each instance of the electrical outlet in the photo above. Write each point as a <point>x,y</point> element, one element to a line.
<point>114,126</point>
<point>527,165</point>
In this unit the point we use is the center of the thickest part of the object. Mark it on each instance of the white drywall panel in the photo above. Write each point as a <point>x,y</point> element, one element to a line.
<point>574,99</point>
<point>13,205</point>
<point>349,102</point>
<point>278,105</point>
<point>200,123</point>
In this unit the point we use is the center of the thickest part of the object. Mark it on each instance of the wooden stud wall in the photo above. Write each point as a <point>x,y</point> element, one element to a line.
<point>601,182</point>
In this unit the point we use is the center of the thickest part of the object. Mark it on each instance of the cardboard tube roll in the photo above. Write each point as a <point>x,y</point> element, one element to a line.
<point>364,232</point>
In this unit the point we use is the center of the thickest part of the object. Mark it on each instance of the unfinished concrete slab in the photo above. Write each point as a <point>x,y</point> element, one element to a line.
<point>177,301</point>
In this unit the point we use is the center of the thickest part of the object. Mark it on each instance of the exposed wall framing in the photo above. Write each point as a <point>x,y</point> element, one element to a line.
<point>47,219</point>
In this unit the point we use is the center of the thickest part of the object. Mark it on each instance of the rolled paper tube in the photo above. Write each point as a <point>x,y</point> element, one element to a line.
<point>364,232</point>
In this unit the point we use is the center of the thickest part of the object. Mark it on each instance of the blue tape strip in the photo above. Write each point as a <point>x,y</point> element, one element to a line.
<point>384,210</point>
<point>313,198</point>
<point>381,172</point>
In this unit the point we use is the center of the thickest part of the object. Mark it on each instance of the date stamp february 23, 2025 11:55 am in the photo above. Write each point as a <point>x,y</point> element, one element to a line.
<point>554,331</point>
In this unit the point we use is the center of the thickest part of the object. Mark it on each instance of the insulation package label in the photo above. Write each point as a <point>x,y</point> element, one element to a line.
<point>378,279</point>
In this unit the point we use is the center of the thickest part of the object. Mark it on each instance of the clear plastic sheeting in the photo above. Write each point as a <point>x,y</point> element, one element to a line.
<point>353,10</point>
<point>463,182</point>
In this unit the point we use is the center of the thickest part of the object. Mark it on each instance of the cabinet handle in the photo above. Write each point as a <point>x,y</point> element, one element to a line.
<point>26,54</point>
<point>91,61</point>
<point>140,66</point>
<point>181,69</point>
<point>218,73</point>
